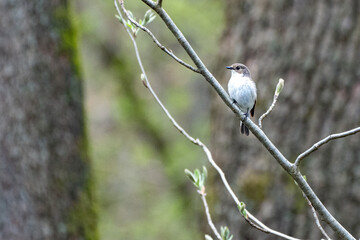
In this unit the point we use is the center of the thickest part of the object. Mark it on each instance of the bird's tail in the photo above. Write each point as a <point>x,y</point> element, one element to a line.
<point>244,129</point>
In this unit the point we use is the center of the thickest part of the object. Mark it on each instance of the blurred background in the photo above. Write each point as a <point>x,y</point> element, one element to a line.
<point>313,46</point>
<point>139,157</point>
<point>86,153</point>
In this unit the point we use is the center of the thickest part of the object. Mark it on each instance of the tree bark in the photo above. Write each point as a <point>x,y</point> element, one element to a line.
<point>45,173</point>
<point>315,47</point>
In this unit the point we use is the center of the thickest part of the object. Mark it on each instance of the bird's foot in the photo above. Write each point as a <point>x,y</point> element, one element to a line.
<point>246,114</point>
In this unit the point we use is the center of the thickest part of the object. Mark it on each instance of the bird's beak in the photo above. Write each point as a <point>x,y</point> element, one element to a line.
<point>229,67</point>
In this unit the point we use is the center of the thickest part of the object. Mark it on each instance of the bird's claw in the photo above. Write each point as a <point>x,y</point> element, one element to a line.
<point>246,114</point>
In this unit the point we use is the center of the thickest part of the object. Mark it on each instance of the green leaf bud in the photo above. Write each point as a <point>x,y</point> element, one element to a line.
<point>207,237</point>
<point>190,175</point>
<point>279,86</point>
<point>242,209</point>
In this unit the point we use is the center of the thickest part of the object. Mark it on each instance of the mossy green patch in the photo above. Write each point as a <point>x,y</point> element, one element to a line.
<point>82,220</point>
<point>66,31</point>
<point>83,217</point>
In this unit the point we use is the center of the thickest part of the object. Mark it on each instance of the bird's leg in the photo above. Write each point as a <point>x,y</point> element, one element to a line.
<point>246,114</point>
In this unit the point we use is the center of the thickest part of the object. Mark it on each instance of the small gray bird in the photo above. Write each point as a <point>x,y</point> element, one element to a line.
<point>242,90</point>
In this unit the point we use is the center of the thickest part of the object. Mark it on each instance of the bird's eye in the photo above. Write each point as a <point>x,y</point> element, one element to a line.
<point>238,68</point>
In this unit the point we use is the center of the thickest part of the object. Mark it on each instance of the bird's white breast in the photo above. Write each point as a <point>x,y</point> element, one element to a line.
<point>243,90</point>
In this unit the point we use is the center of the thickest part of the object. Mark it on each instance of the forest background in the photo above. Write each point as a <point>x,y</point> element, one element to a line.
<point>139,159</point>
<point>86,150</point>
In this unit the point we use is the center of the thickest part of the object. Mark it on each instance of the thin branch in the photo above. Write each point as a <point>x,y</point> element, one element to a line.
<point>288,167</point>
<point>193,140</point>
<point>253,219</point>
<point>316,218</point>
<point>278,89</point>
<point>269,110</point>
<point>147,83</point>
<point>159,3</point>
<point>256,226</point>
<point>210,222</point>
<point>317,145</point>
<point>162,47</point>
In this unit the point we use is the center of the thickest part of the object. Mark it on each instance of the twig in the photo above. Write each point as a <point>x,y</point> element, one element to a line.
<point>210,222</point>
<point>193,140</point>
<point>278,89</point>
<point>317,145</point>
<point>261,226</point>
<point>316,218</point>
<point>162,47</point>
<point>269,110</point>
<point>288,167</point>
<point>256,226</point>
<point>147,83</point>
<point>159,3</point>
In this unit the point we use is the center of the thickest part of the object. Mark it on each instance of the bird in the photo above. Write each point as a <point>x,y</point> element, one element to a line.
<point>242,90</point>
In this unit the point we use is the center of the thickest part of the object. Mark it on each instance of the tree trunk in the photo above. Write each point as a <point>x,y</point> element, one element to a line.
<point>315,47</point>
<point>45,177</point>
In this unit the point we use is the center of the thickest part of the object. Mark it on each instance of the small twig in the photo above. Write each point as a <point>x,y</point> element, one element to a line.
<point>147,83</point>
<point>278,89</point>
<point>259,225</point>
<point>269,110</point>
<point>193,140</point>
<point>162,47</point>
<point>159,3</point>
<point>210,222</point>
<point>317,145</point>
<point>234,197</point>
<point>256,226</point>
<point>316,218</point>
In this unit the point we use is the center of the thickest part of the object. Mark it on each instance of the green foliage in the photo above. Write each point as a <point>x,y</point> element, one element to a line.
<point>197,178</point>
<point>225,233</point>
<point>242,209</point>
<point>148,18</point>
<point>279,86</point>
<point>207,237</point>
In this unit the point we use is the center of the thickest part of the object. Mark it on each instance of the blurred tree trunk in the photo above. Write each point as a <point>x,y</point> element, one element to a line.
<point>45,177</point>
<point>315,47</point>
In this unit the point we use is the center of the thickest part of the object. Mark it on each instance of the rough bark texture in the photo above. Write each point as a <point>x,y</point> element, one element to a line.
<point>45,180</point>
<point>315,47</point>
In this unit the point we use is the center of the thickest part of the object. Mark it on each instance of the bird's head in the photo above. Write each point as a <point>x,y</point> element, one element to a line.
<point>240,69</point>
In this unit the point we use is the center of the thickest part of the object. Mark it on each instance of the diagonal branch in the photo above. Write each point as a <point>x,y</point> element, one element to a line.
<point>317,145</point>
<point>290,168</point>
<point>162,47</point>
<point>253,219</point>
<point>293,171</point>
<point>316,218</point>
